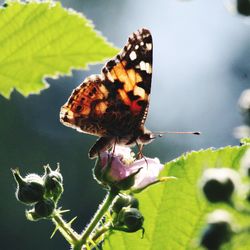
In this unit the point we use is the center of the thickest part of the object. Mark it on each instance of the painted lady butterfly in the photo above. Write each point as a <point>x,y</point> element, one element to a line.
<point>114,104</point>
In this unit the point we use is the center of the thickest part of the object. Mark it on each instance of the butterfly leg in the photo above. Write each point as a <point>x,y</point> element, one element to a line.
<point>140,155</point>
<point>102,144</point>
<point>140,147</point>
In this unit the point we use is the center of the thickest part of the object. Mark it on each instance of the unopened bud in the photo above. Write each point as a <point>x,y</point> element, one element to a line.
<point>217,231</point>
<point>53,182</point>
<point>125,201</point>
<point>131,218</point>
<point>42,210</point>
<point>29,189</point>
<point>218,185</point>
<point>45,207</point>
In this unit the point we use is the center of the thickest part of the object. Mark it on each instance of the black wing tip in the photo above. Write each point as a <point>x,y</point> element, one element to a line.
<point>144,30</point>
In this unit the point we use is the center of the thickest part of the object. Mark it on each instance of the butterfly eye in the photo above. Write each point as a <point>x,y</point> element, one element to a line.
<point>146,138</point>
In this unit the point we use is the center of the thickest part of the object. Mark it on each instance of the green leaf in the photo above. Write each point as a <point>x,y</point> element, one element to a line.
<point>41,39</point>
<point>176,211</point>
<point>245,140</point>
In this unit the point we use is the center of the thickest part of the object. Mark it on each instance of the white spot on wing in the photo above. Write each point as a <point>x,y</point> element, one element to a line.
<point>139,91</point>
<point>143,65</point>
<point>149,46</point>
<point>129,46</point>
<point>132,55</point>
<point>136,46</point>
<point>146,67</point>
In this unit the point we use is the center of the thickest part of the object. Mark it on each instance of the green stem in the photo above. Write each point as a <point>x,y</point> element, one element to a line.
<point>101,231</point>
<point>97,217</point>
<point>68,233</point>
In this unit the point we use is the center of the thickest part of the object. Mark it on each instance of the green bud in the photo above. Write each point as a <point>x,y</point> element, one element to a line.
<point>131,218</point>
<point>29,189</point>
<point>216,191</point>
<point>44,208</point>
<point>218,185</point>
<point>125,201</point>
<point>217,231</point>
<point>32,215</point>
<point>53,182</point>
<point>243,7</point>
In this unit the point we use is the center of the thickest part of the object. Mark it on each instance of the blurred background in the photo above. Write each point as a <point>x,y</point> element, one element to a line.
<point>201,65</point>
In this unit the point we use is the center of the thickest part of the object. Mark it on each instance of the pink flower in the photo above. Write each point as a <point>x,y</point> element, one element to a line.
<point>120,166</point>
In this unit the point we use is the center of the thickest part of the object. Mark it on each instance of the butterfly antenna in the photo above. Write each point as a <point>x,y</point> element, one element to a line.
<point>160,134</point>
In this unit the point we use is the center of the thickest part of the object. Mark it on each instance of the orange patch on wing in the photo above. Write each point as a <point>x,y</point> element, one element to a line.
<point>86,110</point>
<point>100,108</point>
<point>140,92</point>
<point>124,96</point>
<point>102,89</point>
<point>129,77</point>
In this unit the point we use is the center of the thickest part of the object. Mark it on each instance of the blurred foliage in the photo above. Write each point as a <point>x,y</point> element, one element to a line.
<point>41,39</point>
<point>176,211</point>
<point>243,7</point>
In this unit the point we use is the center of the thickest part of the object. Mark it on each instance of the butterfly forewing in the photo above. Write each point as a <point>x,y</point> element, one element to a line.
<point>129,74</point>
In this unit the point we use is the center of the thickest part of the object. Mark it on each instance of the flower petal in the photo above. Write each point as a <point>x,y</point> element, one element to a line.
<point>146,170</point>
<point>149,173</point>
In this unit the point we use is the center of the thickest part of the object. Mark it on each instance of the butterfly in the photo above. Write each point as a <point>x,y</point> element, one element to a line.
<point>114,104</point>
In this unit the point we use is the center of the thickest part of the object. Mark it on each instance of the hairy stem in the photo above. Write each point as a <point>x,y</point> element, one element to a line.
<point>97,217</point>
<point>68,233</point>
<point>101,231</point>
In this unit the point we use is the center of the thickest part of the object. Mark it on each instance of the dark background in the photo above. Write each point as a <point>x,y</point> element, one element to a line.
<point>201,65</point>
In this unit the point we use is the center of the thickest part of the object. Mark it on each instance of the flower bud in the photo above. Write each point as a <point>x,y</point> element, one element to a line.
<point>42,210</point>
<point>217,231</point>
<point>125,201</point>
<point>32,215</point>
<point>29,189</point>
<point>218,185</point>
<point>243,7</point>
<point>131,218</point>
<point>118,169</point>
<point>53,182</point>
<point>45,207</point>
<point>112,172</point>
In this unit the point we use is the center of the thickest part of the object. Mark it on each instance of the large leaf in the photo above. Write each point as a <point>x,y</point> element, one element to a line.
<point>176,211</point>
<point>41,39</point>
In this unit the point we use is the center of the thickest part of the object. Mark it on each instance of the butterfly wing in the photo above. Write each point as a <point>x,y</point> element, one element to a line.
<point>114,103</point>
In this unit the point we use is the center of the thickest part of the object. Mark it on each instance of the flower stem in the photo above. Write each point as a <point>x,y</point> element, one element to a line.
<point>68,233</point>
<point>98,216</point>
<point>101,231</point>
